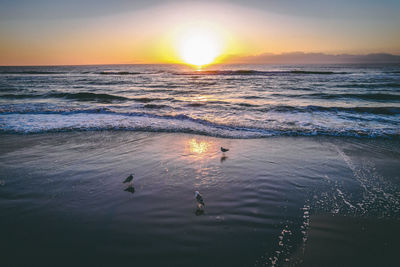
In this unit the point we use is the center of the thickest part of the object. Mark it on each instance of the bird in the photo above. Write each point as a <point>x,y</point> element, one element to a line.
<point>224,149</point>
<point>128,179</point>
<point>199,199</point>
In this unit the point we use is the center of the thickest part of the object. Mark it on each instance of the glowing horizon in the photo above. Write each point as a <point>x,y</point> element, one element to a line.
<point>191,33</point>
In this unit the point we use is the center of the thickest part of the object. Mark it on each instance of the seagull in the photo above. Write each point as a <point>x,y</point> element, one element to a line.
<point>199,199</point>
<point>224,149</point>
<point>128,179</point>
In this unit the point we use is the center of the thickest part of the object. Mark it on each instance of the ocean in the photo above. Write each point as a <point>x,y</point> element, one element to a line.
<point>311,177</point>
<point>234,101</point>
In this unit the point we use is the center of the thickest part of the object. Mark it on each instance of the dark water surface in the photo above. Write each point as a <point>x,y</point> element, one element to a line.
<point>62,200</point>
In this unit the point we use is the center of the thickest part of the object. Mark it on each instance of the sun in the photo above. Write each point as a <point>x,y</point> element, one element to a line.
<point>199,46</point>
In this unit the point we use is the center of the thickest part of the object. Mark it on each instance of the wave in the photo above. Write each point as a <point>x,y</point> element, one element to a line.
<point>255,72</point>
<point>252,97</point>
<point>247,105</point>
<point>376,96</point>
<point>155,106</point>
<point>312,109</point>
<point>389,110</point>
<point>118,73</point>
<point>83,96</point>
<point>196,105</point>
<point>103,120</point>
<point>19,96</point>
<point>369,85</point>
<point>108,82</point>
<point>373,96</point>
<point>32,72</point>
<point>150,99</point>
<point>86,96</point>
<point>316,72</point>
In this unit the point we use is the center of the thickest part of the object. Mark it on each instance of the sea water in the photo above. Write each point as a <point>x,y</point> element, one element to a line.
<point>236,101</point>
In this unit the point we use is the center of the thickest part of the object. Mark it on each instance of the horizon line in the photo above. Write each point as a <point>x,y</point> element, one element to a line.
<point>232,57</point>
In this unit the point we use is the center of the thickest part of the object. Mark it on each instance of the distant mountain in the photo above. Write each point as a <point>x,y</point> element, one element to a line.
<point>314,58</point>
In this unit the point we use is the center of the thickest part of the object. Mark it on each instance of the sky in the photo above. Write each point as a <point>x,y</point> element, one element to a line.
<point>54,32</point>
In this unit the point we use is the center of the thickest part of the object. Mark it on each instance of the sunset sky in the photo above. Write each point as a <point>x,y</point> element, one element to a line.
<point>54,32</point>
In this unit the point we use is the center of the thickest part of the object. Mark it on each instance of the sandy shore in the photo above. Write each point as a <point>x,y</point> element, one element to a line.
<point>63,202</point>
<point>335,240</point>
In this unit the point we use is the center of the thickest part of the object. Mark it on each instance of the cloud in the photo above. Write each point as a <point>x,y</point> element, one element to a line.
<point>314,58</point>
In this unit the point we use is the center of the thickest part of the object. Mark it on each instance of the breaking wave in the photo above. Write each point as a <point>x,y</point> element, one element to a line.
<point>255,72</point>
<point>99,120</point>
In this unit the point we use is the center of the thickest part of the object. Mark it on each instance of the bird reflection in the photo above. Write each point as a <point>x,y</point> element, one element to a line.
<point>200,203</point>
<point>199,212</point>
<point>223,158</point>
<point>130,189</point>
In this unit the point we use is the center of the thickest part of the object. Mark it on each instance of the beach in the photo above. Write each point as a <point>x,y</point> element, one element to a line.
<point>267,200</point>
<point>311,177</point>
<point>179,133</point>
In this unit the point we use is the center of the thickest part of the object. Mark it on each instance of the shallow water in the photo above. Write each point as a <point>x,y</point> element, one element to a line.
<point>237,101</point>
<point>63,202</point>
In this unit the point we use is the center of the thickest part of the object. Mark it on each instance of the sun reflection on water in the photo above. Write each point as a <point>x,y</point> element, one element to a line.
<point>198,147</point>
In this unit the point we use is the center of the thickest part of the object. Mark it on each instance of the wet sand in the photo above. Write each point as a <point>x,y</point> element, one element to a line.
<point>311,201</point>
<point>335,240</point>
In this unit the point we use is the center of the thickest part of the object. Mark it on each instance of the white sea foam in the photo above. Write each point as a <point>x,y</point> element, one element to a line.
<point>40,123</point>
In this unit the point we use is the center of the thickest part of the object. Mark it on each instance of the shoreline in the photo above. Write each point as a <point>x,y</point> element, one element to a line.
<point>62,196</point>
